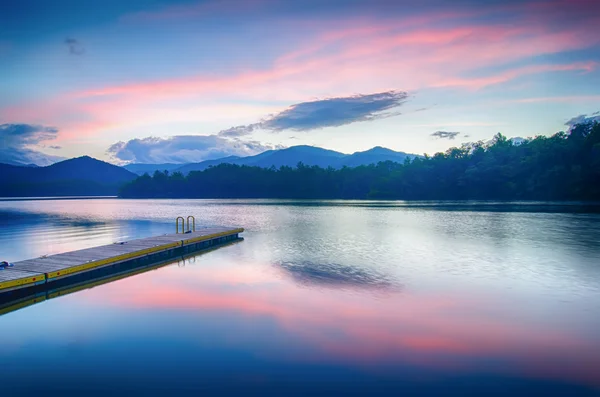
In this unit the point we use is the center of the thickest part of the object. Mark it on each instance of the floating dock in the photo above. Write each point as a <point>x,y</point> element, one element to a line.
<point>22,298</point>
<point>52,269</point>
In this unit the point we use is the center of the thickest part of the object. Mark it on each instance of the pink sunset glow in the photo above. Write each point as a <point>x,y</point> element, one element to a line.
<point>364,327</point>
<point>510,52</point>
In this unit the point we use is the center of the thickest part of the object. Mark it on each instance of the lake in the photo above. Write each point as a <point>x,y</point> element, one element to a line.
<point>321,298</point>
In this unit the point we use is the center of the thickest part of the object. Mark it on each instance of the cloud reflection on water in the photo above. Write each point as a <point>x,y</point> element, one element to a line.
<point>333,275</point>
<point>457,333</point>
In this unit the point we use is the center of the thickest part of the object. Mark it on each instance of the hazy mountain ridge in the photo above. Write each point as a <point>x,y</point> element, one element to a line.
<point>143,168</point>
<point>308,155</point>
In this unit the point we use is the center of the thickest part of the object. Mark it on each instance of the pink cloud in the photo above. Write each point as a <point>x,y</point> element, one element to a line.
<point>514,73</point>
<point>355,56</point>
<point>361,52</point>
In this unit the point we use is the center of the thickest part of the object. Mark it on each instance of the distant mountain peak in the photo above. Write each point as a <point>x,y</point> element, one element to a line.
<point>309,150</point>
<point>306,147</point>
<point>306,154</point>
<point>85,157</point>
<point>80,159</point>
<point>379,149</point>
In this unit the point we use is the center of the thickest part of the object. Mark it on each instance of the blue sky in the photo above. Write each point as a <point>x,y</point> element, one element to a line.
<point>194,80</point>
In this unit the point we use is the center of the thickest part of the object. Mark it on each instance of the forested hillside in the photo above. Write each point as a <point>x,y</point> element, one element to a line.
<point>564,166</point>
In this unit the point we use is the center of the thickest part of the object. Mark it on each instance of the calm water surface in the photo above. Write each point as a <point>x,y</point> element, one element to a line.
<point>321,298</point>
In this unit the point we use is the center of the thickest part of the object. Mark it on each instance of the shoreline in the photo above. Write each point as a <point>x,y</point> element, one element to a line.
<point>56,198</point>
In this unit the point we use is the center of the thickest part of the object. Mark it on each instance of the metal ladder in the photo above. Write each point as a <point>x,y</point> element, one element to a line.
<point>185,229</point>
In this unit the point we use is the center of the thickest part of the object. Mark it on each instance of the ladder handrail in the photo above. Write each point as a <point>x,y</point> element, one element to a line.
<point>193,223</point>
<point>177,225</point>
<point>185,224</point>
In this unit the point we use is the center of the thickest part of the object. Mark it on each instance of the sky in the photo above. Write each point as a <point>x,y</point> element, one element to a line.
<point>153,81</point>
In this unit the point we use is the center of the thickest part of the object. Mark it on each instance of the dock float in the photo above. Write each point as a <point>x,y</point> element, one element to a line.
<point>22,298</point>
<point>50,269</point>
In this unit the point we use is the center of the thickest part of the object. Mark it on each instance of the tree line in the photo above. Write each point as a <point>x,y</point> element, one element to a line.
<point>564,166</point>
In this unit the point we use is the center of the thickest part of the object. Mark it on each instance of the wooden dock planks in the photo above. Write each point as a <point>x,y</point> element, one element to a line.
<point>48,268</point>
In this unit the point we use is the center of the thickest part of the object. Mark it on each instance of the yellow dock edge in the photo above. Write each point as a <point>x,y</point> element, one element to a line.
<point>20,282</point>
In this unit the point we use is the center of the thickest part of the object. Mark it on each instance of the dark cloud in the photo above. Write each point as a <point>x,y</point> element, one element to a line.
<point>446,134</point>
<point>26,133</point>
<point>16,141</point>
<point>74,46</point>
<point>184,149</point>
<point>55,147</point>
<point>466,136</point>
<point>334,112</point>
<point>240,130</point>
<point>583,119</point>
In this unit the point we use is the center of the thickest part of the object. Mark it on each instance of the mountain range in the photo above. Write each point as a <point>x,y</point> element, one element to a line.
<point>86,176</point>
<point>308,155</point>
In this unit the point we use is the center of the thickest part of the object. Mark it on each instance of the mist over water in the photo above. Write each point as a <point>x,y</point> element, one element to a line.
<point>321,297</point>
